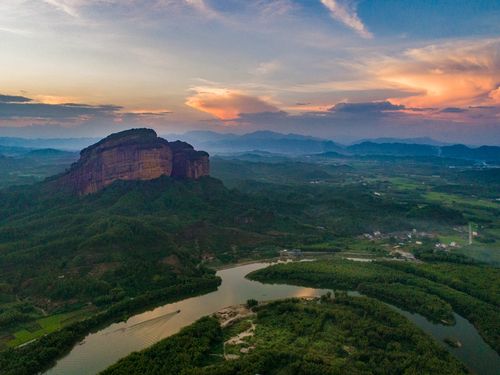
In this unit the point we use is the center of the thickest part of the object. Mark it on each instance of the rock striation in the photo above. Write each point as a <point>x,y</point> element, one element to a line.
<point>187,162</point>
<point>135,154</point>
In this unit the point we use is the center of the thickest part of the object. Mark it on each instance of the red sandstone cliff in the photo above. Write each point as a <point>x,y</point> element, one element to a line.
<point>188,162</point>
<point>136,154</point>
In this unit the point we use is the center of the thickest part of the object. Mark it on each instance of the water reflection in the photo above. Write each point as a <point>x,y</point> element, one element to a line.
<point>105,347</point>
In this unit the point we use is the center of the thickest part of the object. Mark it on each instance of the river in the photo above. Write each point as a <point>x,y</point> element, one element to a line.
<point>103,348</point>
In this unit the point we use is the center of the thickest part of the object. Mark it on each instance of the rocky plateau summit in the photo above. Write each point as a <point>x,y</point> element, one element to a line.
<point>135,154</point>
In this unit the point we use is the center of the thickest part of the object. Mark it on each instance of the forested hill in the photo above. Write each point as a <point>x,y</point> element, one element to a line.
<point>132,237</point>
<point>344,335</point>
<point>98,258</point>
<point>138,235</point>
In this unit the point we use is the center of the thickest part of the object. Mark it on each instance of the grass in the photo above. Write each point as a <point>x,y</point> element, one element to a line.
<point>47,325</point>
<point>459,238</point>
<point>484,252</point>
<point>453,199</point>
<point>404,183</point>
<point>321,246</point>
<point>488,253</point>
<point>476,210</point>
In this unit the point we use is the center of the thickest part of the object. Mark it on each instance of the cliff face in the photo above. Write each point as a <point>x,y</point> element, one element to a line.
<point>136,154</point>
<point>188,162</point>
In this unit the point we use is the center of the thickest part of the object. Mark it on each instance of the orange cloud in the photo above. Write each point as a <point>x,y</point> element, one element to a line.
<point>227,104</point>
<point>451,74</point>
<point>495,95</point>
<point>51,99</point>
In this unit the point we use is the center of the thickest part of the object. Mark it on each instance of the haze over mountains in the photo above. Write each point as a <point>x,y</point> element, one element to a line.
<point>271,142</point>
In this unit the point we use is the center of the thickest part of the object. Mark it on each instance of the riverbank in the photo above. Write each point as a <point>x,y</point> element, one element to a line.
<point>223,267</point>
<point>103,348</point>
<point>296,336</point>
<point>42,353</point>
<point>432,290</point>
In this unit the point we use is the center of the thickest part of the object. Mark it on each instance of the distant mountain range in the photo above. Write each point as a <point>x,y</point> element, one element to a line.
<point>416,141</point>
<point>261,140</point>
<point>295,144</point>
<point>277,143</point>
<point>483,153</point>
<point>70,144</point>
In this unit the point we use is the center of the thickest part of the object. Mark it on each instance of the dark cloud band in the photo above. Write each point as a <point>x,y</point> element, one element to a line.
<point>18,107</point>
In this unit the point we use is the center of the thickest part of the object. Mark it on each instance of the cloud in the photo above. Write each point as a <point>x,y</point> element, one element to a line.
<point>369,107</point>
<point>273,8</point>
<point>345,12</point>
<point>452,74</point>
<point>495,95</point>
<point>453,110</point>
<point>23,116</point>
<point>13,99</point>
<point>53,108</point>
<point>67,6</point>
<point>15,31</point>
<point>67,111</point>
<point>203,7</point>
<point>81,8</point>
<point>160,112</point>
<point>347,122</point>
<point>268,67</point>
<point>13,107</point>
<point>227,104</point>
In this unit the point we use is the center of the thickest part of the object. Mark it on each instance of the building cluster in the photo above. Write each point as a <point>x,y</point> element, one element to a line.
<point>402,236</point>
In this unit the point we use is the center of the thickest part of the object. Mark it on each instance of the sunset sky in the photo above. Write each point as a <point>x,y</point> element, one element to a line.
<point>339,69</point>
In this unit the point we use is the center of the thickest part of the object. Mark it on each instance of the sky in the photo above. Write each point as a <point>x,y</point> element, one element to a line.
<point>337,69</point>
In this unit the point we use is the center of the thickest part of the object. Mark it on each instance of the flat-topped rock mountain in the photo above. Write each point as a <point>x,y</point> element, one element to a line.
<point>135,154</point>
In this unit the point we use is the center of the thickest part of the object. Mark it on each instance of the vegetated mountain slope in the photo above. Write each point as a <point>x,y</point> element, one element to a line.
<point>102,257</point>
<point>491,153</point>
<point>136,235</point>
<point>345,335</point>
<point>124,240</point>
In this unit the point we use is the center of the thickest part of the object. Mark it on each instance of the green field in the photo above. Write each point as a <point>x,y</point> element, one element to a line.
<point>453,200</point>
<point>47,325</point>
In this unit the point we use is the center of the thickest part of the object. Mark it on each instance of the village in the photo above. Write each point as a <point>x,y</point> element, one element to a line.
<point>399,245</point>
